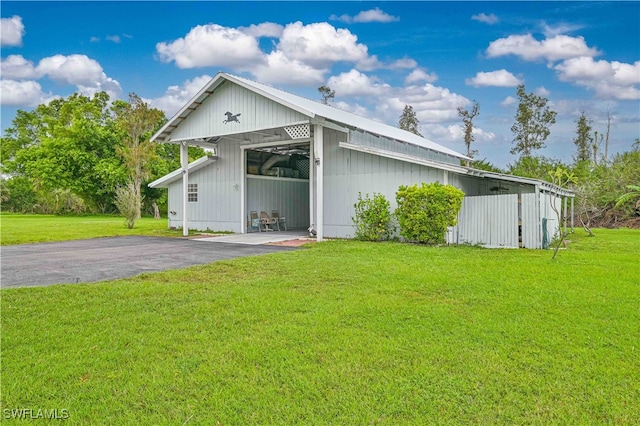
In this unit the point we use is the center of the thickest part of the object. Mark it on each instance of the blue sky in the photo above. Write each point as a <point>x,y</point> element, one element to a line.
<point>377,56</point>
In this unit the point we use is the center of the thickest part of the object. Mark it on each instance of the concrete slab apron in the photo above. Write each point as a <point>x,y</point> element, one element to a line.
<point>99,259</point>
<point>256,238</point>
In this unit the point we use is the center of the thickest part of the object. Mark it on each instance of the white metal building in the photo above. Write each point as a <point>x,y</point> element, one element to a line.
<point>272,150</point>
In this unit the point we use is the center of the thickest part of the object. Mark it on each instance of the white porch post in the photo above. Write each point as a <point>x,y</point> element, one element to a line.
<point>243,182</point>
<point>312,162</point>
<point>318,148</point>
<point>184,163</point>
<point>572,217</point>
<point>564,215</point>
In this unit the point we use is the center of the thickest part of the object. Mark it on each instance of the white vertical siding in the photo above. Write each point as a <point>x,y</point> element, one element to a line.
<point>546,211</point>
<point>531,222</point>
<point>289,197</point>
<point>349,172</point>
<point>218,206</point>
<point>488,220</point>
<point>257,112</point>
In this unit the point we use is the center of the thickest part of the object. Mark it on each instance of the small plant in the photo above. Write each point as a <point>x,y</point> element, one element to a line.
<point>424,212</point>
<point>373,218</point>
<point>560,177</point>
<point>128,202</point>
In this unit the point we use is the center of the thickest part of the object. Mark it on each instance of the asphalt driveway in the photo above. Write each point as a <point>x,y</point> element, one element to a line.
<point>99,259</point>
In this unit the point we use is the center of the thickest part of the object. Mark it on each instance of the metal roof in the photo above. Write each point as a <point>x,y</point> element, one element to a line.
<point>316,111</point>
<point>175,175</point>
<point>546,186</point>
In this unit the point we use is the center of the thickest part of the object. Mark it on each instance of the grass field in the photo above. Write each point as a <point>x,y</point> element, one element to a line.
<point>340,333</point>
<point>24,228</point>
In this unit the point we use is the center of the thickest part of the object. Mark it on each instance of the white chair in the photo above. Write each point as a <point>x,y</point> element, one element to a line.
<point>266,222</point>
<point>279,220</point>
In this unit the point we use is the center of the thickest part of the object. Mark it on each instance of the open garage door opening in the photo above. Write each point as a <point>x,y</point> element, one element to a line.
<point>277,182</point>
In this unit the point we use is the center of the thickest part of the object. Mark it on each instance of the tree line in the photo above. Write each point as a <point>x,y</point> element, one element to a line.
<point>82,154</point>
<point>607,189</point>
<point>89,154</point>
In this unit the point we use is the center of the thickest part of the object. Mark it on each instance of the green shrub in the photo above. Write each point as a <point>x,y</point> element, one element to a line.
<point>425,212</point>
<point>128,202</point>
<point>373,219</point>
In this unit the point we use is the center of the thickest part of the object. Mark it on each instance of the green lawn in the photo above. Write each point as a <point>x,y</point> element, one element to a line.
<point>37,228</point>
<point>341,333</point>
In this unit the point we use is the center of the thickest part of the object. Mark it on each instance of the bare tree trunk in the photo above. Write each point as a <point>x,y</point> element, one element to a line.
<point>587,225</point>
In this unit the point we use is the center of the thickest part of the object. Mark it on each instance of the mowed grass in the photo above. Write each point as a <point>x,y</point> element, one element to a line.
<point>341,333</point>
<point>38,228</point>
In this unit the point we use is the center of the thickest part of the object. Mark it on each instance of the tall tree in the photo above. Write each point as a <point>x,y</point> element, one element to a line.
<point>326,94</point>
<point>583,140</point>
<point>467,126</point>
<point>606,143</point>
<point>136,121</point>
<point>533,119</point>
<point>409,120</point>
<point>595,146</point>
<point>66,145</point>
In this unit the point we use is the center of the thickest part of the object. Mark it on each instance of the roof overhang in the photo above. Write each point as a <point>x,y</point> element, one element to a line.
<point>165,180</point>
<point>545,186</point>
<point>318,113</point>
<point>403,157</point>
<point>164,134</point>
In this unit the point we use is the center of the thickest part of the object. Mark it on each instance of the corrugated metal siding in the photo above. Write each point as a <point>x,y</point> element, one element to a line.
<point>547,212</point>
<point>473,186</point>
<point>530,222</point>
<point>488,220</point>
<point>218,206</point>
<point>348,172</point>
<point>381,142</point>
<point>257,112</point>
<point>289,197</point>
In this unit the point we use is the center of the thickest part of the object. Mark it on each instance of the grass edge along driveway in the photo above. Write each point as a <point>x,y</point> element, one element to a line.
<point>341,333</point>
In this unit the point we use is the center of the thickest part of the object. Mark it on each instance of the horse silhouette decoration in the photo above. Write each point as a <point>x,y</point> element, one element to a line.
<point>231,117</point>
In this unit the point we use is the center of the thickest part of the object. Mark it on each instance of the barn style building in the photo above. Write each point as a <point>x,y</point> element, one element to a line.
<point>272,150</point>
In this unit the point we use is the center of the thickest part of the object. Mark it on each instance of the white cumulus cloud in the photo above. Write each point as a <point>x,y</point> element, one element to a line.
<point>11,31</point>
<point>508,101</point>
<point>321,44</point>
<point>526,47</point>
<point>499,78</point>
<point>542,91</point>
<point>371,15</point>
<point>278,68</point>
<point>265,29</point>
<point>609,80</point>
<point>433,104</point>
<point>176,97</point>
<point>16,67</point>
<point>78,70</point>
<point>212,45</point>
<point>81,71</point>
<point>403,63</point>
<point>355,83</point>
<point>420,75</point>
<point>22,93</point>
<point>487,19</point>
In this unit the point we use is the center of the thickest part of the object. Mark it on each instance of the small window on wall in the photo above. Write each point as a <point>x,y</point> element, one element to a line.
<point>192,193</point>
